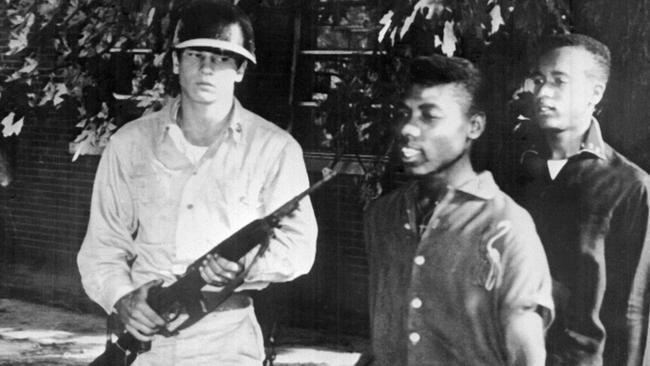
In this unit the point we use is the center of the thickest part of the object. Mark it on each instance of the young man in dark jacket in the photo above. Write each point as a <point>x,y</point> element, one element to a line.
<point>590,205</point>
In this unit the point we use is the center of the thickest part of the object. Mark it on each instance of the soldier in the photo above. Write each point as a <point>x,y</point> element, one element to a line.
<point>173,184</point>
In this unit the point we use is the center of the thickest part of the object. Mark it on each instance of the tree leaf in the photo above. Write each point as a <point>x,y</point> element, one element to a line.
<point>159,58</point>
<point>496,19</point>
<point>386,21</point>
<point>29,67</point>
<point>18,36</point>
<point>15,18</point>
<point>82,148</point>
<point>164,24</point>
<point>76,17</point>
<point>449,39</point>
<point>61,90</point>
<point>53,92</point>
<point>11,127</point>
<point>150,17</point>
<point>46,10</point>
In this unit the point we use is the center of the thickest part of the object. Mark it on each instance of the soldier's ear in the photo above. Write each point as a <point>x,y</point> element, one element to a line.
<point>476,125</point>
<point>241,70</point>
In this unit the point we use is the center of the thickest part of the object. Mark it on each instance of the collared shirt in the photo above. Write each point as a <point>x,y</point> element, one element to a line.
<point>592,144</point>
<point>445,297</point>
<point>154,212</point>
<point>593,221</point>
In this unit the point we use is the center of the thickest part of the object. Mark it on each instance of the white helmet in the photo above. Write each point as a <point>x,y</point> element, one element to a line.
<point>208,24</point>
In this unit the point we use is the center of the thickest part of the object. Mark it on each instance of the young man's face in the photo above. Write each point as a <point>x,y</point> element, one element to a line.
<point>565,89</point>
<point>207,76</point>
<point>439,131</point>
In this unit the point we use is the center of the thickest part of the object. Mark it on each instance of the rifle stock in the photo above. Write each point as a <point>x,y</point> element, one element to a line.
<point>186,291</point>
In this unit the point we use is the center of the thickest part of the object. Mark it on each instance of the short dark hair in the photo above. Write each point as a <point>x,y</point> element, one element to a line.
<point>438,70</point>
<point>598,50</point>
<point>213,19</point>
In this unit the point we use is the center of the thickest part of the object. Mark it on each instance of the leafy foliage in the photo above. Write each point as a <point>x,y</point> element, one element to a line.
<point>81,57</point>
<point>497,35</point>
<point>88,58</point>
<point>361,110</point>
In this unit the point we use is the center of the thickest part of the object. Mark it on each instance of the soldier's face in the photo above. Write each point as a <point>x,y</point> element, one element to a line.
<point>206,75</point>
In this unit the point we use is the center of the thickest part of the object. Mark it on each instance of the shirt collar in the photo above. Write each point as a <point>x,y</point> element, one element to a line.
<point>165,148</point>
<point>592,143</point>
<point>481,186</point>
<point>235,122</point>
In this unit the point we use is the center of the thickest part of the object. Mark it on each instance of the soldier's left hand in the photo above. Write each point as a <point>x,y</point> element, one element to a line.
<point>218,271</point>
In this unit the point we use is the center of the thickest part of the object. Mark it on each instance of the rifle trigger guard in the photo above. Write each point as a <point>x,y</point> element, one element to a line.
<point>167,333</point>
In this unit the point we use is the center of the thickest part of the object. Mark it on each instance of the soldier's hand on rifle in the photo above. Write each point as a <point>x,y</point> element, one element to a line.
<point>218,271</point>
<point>136,315</point>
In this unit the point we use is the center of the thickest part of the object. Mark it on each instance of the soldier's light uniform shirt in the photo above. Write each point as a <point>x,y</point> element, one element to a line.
<point>154,211</point>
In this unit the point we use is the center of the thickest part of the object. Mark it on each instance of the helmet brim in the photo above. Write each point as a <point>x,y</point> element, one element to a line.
<point>217,43</point>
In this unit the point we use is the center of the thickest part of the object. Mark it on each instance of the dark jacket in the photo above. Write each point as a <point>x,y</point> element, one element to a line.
<point>593,222</point>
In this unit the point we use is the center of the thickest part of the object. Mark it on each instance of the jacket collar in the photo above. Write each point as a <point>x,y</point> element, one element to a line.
<point>592,144</point>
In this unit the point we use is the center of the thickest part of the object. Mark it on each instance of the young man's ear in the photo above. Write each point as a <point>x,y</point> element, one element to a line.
<point>241,70</point>
<point>477,125</point>
<point>598,93</point>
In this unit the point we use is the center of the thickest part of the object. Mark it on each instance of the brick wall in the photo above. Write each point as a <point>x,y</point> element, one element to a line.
<point>43,214</point>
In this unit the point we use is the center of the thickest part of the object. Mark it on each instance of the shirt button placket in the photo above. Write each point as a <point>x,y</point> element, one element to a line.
<point>419,260</point>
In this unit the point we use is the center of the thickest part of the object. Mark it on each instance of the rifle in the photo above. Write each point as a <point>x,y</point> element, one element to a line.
<point>184,295</point>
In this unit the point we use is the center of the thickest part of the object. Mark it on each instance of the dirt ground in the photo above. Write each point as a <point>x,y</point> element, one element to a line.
<point>34,334</point>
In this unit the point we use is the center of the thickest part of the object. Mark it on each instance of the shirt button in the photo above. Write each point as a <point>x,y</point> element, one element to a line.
<point>414,338</point>
<point>435,223</point>
<point>190,206</point>
<point>407,226</point>
<point>419,260</point>
<point>416,303</point>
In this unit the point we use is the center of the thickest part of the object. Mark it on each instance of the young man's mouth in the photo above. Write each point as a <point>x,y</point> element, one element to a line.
<point>409,154</point>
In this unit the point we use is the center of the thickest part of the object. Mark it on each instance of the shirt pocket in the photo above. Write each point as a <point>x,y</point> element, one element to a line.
<point>240,200</point>
<point>154,203</point>
<point>149,188</point>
